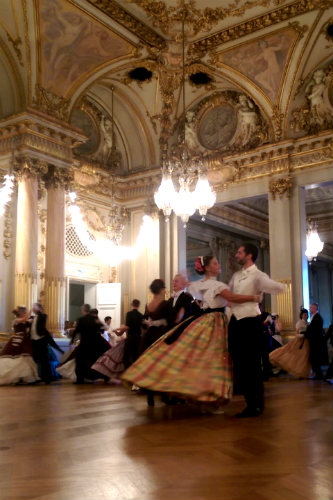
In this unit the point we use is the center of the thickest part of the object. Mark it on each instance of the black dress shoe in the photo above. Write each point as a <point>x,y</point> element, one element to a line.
<point>150,400</point>
<point>249,412</point>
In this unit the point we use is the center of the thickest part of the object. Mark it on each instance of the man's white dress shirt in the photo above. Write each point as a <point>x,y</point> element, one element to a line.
<point>251,281</point>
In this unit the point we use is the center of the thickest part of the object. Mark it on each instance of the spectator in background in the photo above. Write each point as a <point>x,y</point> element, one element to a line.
<point>314,333</point>
<point>133,325</point>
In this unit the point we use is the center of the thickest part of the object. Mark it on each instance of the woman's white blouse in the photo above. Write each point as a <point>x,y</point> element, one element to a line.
<point>301,325</point>
<point>208,292</point>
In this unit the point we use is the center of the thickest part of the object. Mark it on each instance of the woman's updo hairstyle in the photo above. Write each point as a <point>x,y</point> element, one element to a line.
<point>303,311</point>
<point>156,286</point>
<point>202,262</point>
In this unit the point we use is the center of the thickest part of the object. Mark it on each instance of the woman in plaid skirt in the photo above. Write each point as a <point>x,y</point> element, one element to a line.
<point>192,361</point>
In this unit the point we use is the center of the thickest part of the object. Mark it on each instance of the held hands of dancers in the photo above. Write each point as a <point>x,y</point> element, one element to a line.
<point>240,299</point>
<point>119,331</point>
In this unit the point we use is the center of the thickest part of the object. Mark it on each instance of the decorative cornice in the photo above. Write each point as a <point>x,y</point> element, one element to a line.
<point>282,158</point>
<point>39,136</point>
<point>123,17</point>
<point>281,187</point>
<point>168,17</point>
<point>276,16</point>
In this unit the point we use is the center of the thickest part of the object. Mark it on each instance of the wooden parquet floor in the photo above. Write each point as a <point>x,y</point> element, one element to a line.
<point>67,442</point>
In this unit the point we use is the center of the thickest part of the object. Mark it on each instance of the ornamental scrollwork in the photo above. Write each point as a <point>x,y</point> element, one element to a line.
<point>26,167</point>
<point>122,16</point>
<point>50,103</point>
<point>59,178</point>
<point>8,231</point>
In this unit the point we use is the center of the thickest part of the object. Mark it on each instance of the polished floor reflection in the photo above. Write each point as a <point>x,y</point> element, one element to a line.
<point>67,442</point>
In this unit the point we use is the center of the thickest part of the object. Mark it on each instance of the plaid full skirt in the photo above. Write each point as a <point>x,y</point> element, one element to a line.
<point>196,366</point>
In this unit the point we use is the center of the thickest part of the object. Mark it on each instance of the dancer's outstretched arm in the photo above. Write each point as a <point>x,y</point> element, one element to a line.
<point>239,299</point>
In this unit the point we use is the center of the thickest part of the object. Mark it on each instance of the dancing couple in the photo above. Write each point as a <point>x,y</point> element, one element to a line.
<point>193,359</point>
<point>25,357</point>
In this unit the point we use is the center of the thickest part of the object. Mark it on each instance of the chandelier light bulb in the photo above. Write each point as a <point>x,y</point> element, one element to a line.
<point>314,245</point>
<point>165,195</point>
<point>204,195</point>
<point>72,196</point>
<point>185,201</point>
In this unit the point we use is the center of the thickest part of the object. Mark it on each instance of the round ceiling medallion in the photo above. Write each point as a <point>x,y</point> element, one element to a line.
<point>217,126</point>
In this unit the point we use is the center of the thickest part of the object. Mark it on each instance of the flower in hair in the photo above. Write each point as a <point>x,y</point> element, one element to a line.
<point>198,266</point>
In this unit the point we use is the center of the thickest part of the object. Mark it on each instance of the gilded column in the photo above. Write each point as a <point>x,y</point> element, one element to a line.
<point>27,172</point>
<point>280,245</point>
<point>55,283</point>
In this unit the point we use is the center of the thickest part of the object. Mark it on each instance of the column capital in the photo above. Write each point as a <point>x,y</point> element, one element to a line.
<point>59,178</point>
<point>26,168</point>
<point>281,187</point>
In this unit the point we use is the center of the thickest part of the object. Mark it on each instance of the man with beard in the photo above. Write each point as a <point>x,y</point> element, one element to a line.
<point>245,328</point>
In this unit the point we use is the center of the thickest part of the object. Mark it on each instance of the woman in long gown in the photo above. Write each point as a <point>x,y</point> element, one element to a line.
<point>156,316</point>
<point>110,364</point>
<point>294,357</point>
<point>192,359</point>
<point>16,358</point>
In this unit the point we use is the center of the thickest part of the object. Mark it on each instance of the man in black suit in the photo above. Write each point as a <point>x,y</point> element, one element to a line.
<point>40,339</point>
<point>92,345</point>
<point>314,333</point>
<point>133,324</point>
<point>180,301</point>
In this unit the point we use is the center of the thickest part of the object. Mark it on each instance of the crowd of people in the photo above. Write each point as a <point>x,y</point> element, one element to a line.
<point>185,348</point>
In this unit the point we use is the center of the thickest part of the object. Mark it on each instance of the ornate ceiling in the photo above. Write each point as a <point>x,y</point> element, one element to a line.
<point>257,56</point>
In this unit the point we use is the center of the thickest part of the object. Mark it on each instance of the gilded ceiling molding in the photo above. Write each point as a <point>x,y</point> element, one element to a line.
<point>196,20</point>
<point>16,46</point>
<point>281,187</point>
<point>284,157</point>
<point>276,16</point>
<point>112,9</point>
<point>277,119</point>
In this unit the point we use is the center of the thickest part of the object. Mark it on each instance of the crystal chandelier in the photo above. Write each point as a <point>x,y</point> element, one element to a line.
<point>185,201</point>
<point>314,245</point>
<point>116,224</point>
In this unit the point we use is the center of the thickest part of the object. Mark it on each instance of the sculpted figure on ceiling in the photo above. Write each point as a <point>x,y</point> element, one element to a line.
<point>97,125</point>
<point>222,122</point>
<point>316,113</point>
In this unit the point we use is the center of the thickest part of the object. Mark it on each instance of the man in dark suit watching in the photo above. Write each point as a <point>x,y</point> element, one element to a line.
<point>180,301</point>
<point>314,333</point>
<point>40,340</point>
<point>133,324</point>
